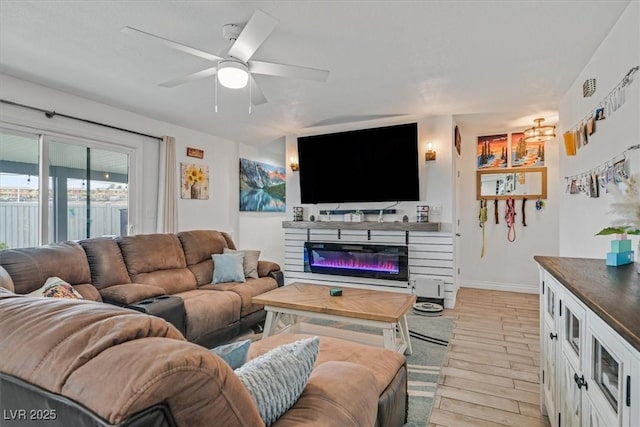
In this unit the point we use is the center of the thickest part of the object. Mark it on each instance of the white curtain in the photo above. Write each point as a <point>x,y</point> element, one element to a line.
<point>167,194</point>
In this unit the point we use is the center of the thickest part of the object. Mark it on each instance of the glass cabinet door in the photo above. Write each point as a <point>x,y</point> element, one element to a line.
<point>572,332</point>
<point>551,303</point>
<point>606,373</point>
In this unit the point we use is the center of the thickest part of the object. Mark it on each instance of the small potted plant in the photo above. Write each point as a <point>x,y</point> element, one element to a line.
<point>626,207</point>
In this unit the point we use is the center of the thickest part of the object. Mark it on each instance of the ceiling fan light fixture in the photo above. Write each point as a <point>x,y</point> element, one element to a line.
<point>233,74</point>
<point>539,133</point>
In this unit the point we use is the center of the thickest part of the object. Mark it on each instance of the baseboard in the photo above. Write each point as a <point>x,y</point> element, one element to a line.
<point>494,286</point>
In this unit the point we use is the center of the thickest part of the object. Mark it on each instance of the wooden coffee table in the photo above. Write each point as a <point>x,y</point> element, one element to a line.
<point>377,309</point>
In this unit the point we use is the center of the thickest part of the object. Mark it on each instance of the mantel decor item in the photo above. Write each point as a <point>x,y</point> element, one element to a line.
<point>422,213</point>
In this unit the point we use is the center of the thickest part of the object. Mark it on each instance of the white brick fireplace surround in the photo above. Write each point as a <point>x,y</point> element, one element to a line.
<point>430,252</point>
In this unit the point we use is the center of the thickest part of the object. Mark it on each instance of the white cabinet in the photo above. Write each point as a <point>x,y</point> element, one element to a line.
<point>571,325</point>
<point>548,348</point>
<point>608,375</point>
<point>590,374</point>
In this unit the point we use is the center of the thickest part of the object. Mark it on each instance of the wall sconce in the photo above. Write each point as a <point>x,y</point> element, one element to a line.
<point>294,165</point>
<point>430,154</point>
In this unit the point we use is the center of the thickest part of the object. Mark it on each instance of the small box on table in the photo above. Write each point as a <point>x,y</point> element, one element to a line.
<point>619,246</point>
<point>619,258</point>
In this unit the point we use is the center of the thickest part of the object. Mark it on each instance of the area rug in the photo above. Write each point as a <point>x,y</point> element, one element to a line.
<point>429,338</point>
<point>425,363</point>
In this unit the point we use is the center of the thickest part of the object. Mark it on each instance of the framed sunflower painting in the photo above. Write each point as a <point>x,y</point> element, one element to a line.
<point>194,182</point>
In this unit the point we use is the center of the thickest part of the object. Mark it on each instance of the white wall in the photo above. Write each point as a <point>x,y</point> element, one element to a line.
<point>262,230</point>
<point>436,178</point>
<point>506,265</point>
<point>219,212</point>
<point>582,217</point>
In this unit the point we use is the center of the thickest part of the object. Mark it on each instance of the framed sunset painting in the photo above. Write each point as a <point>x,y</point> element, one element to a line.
<point>492,151</point>
<point>527,154</point>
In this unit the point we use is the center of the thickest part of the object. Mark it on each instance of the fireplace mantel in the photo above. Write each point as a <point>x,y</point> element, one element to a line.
<point>364,225</point>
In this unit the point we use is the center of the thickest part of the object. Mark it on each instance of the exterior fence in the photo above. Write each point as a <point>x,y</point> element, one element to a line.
<point>19,222</point>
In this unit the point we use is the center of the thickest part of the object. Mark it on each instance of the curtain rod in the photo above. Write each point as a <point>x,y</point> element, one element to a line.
<point>52,114</point>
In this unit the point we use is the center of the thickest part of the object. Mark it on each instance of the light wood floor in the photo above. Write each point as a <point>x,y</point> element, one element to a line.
<point>491,374</point>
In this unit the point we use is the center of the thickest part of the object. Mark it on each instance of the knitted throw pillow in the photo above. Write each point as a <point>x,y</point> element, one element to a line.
<point>276,379</point>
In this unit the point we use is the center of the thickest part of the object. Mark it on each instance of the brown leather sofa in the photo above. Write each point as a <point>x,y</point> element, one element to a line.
<point>79,362</point>
<point>167,275</point>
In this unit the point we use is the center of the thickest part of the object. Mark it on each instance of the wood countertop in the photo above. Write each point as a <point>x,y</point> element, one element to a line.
<point>613,293</point>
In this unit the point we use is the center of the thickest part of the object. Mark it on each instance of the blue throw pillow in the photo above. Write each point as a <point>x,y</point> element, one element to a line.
<point>227,268</point>
<point>276,379</point>
<point>235,353</point>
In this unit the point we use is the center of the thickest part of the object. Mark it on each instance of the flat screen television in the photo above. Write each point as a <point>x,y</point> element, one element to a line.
<point>368,165</point>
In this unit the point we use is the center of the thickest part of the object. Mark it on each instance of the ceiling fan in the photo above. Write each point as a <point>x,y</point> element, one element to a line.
<point>235,69</point>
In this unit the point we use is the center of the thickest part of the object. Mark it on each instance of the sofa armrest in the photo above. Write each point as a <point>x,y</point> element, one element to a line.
<point>129,293</point>
<point>266,267</point>
<point>88,291</point>
<point>198,387</point>
<point>5,280</point>
<point>328,400</point>
<point>278,276</point>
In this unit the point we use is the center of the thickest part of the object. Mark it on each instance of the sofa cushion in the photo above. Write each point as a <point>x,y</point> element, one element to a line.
<point>329,400</point>
<point>249,262</point>
<point>276,379</point>
<point>55,287</point>
<point>208,311</point>
<point>157,259</point>
<point>31,267</point>
<point>130,293</point>
<point>198,246</point>
<point>383,363</point>
<point>227,268</point>
<point>64,334</point>
<point>246,291</point>
<point>105,262</point>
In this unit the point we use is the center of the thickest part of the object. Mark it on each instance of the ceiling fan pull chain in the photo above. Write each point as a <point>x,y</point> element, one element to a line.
<point>216,93</point>
<point>249,96</point>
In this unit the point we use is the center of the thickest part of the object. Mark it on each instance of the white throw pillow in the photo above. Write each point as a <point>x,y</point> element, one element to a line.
<point>250,261</point>
<point>55,287</point>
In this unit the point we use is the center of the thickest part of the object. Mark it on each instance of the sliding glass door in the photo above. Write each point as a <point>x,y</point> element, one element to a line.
<point>19,190</point>
<point>86,189</point>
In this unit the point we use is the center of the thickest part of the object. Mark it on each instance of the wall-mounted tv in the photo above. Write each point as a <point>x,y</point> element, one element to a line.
<point>368,165</point>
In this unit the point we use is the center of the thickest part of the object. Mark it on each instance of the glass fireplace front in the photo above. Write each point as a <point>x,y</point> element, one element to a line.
<point>353,259</point>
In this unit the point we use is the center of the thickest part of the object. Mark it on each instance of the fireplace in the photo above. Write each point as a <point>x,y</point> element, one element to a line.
<point>353,259</point>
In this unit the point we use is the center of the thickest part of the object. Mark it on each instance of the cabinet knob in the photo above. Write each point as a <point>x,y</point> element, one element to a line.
<point>580,381</point>
<point>553,336</point>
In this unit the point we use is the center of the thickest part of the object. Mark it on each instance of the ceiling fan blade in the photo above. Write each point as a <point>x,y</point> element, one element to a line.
<point>172,44</point>
<point>290,71</point>
<point>253,35</point>
<point>257,97</point>
<point>190,78</point>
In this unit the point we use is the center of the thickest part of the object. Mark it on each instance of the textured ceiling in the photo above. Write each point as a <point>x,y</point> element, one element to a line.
<point>504,61</point>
